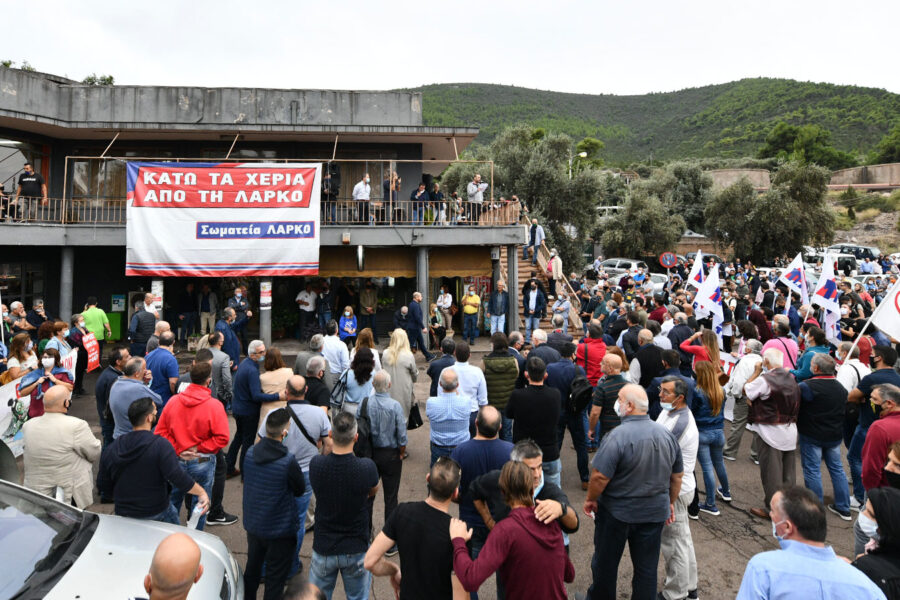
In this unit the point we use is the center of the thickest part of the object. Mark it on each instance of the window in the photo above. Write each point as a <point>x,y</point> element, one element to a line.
<point>21,281</point>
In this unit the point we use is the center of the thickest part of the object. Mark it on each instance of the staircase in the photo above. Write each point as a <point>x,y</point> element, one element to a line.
<point>524,271</point>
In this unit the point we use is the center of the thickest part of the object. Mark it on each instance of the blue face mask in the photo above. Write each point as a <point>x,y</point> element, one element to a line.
<point>347,313</point>
<point>238,295</point>
<point>666,405</point>
<point>774,532</point>
<point>260,359</point>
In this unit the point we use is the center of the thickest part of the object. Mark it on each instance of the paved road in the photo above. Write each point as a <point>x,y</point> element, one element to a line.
<point>723,544</point>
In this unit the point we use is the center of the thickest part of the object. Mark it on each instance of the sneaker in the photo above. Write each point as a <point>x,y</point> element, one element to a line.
<point>393,551</point>
<point>693,595</point>
<point>723,495</point>
<point>844,515</point>
<point>854,504</point>
<point>709,509</point>
<point>222,519</point>
<point>755,461</point>
<point>726,457</point>
<point>694,516</point>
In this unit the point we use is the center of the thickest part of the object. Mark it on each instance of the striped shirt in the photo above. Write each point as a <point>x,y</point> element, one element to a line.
<point>449,418</point>
<point>605,396</point>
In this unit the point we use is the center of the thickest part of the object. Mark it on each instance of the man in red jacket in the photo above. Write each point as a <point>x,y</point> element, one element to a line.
<point>882,433</point>
<point>195,423</point>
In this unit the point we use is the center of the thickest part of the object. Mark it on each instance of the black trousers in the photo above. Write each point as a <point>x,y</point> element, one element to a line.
<point>218,488</point>
<point>389,465</point>
<point>276,554</point>
<point>243,440</point>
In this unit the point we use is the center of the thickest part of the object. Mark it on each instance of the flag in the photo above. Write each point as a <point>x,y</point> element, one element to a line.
<point>887,316</point>
<point>695,277</point>
<point>826,292</point>
<point>709,300</point>
<point>794,276</point>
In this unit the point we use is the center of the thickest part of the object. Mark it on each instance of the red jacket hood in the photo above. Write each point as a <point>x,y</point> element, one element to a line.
<point>195,394</point>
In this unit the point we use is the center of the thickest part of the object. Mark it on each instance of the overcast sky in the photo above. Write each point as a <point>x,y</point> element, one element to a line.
<point>592,46</point>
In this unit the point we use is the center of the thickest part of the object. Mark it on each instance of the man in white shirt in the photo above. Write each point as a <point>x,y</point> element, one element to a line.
<point>306,300</point>
<point>149,305</point>
<point>335,351</point>
<point>361,193</point>
<point>852,370</point>
<point>444,302</point>
<point>472,384</point>
<point>735,389</point>
<point>677,545</point>
<point>774,399</point>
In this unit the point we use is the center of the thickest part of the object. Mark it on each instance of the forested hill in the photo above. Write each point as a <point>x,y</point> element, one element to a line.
<point>730,119</point>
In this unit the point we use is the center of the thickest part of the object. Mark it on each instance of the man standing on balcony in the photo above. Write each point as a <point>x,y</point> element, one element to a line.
<point>361,193</point>
<point>475,191</point>
<point>31,187</point>
<point>535,239</point>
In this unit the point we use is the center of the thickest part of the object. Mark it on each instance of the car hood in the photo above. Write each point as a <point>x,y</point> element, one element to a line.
<point>117,558</point>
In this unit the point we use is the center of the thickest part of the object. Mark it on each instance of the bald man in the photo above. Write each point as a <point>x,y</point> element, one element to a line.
<point>60,451</point>
<point>605,394</point>
<point>175,568</point>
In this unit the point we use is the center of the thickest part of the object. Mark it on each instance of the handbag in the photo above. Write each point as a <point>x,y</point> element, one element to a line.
<point>415,417</point>
<point>454,309</point>
<point>339,391</point>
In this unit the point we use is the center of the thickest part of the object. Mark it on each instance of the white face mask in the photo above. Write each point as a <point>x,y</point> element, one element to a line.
<point>869,526</point>
<point>619,410</point>
<point>48,363</point>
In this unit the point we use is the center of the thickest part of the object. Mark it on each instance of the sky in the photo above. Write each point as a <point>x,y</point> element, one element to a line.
<point>592,46</point>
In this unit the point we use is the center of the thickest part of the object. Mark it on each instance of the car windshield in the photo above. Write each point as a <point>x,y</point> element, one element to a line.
<point>38,529</point>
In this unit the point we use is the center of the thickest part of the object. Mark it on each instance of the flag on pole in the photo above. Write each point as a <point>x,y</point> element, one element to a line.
<point>709,300</point>
<point>794,276</point>
<point>695,277</point>
<point>826,295</point>
<point>886,316</point>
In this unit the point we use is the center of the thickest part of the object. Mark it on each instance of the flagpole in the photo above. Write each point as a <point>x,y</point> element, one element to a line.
<point>2,327</point>
<point>872,316</point>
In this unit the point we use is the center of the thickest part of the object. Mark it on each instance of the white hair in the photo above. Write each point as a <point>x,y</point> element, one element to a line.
<point>774,358</point>
<point>381,381</point>
<point>255,346</point>
<point>15,305</point>
<point>539,335</point>
<point>637,396</point>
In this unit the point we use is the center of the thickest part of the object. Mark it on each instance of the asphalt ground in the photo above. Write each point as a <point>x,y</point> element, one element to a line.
<point>723,544</point>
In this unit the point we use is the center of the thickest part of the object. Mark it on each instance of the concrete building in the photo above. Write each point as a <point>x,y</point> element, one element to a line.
<point>79,138</point>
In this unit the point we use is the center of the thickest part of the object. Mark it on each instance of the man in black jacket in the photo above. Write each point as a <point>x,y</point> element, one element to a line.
<point>272,479</point>
<point>415,326</point>
<point>630,343</point>
<point>317,392</point>
<point>117,359</point>
<point>446,359</point>
<point>135,468</point>
<point>558,337</point>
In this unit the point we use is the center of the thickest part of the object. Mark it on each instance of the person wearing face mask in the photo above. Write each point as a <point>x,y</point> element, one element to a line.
<point>471,303</point>
<point>677,544</point>
<point>348,327</point>
<point>242,314</point>
<point>555,270</point>
<point>804,568</point>
<point>58,341</point>
<point>361,194</point>
<point>61,451</point>
<point>882,434</point>
<point>535,304</point>
<point>138,468</point>
<point>882,362</point>
<point>36,383</point>
<point>881,562</point>
<point>632,497</point>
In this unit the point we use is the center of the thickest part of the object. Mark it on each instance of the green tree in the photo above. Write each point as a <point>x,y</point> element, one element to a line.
<point>793,213</point>
<point>806,144</point>
<point>685,190</point>
<point>888,149</point>
<point>94,79</point>
<point>644,227</point>
<point>592,148</point>
<point>533,164</point>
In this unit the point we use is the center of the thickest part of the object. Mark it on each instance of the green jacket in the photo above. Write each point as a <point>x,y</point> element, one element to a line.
<point>500,374</point>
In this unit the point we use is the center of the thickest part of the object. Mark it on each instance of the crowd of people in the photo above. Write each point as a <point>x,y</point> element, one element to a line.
<point>646,391</point>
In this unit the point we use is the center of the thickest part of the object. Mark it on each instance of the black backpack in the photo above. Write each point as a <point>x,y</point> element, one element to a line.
<point>580,394</point>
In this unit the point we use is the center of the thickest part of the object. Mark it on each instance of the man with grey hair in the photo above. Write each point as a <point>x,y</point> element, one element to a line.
<point>774,399</point>
<point>448,413</point>
<point>17,319</point>
<point>677,544</point>
<point>160,328</point>
<point>820,428</point>
<point>782,341</point>
<point>388,436</point>
<point>647,362</point>
<point>542,349</point>
<point>316,344</point>
<point>635,482</point>
<point>228,326</point>
<point>850,373</point>
<point>317,392</point>
<point>558,337</point>
<point>735,389</point>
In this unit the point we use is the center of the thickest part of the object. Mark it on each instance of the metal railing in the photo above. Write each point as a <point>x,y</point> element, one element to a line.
<point>31,210</point>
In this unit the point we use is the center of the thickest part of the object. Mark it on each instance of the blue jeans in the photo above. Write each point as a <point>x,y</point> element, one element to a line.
<point>203,474</point>
<point>470,327</point>
<point>575,425</point>
<point>531,324</point>
<point>644,543</point>
<point>169,515</point>
<point>553,471</point>
<point>506,432</point>
<point>368,321</point>
<point>811,454</point>
<point>525,251</point>
<point>324,318</point>
<point>439,451</point>
<point>498,323</point>
<point>323,572</point>
<point>709,455</point>
<point>854,458</point>
<point>302,507</point>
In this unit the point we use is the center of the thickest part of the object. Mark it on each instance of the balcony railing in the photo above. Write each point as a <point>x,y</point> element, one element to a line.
<point>92,211</point>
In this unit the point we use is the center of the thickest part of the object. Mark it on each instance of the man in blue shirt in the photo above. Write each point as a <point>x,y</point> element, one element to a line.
<point>497,307</point>
<point>804,568</point>
<point>125,390</point>
<point>164,367</point>
<point>247,398</point>
<point>448,413</point>
<point>227,326</point>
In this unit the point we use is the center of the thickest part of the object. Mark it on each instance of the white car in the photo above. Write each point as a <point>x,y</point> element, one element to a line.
<point>55,551</point>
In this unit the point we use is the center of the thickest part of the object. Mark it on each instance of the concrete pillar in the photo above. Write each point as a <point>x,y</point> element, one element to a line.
<point>66,283</point>
<point>422,279</point>
<point>265,313</point>
<point>512,286</point>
